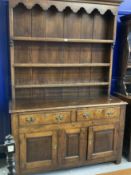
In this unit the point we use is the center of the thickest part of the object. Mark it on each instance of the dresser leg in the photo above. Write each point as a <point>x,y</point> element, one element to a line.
<point>117,162</point>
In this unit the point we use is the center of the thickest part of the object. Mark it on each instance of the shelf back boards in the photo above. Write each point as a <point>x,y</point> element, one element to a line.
<point>61,49</point>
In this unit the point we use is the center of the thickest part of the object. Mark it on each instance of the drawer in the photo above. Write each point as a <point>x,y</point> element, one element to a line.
<point>112,112</point>
<point>45,118</point>
<point>85,114</point>
<point>97,113</point>
<point>90,114</point>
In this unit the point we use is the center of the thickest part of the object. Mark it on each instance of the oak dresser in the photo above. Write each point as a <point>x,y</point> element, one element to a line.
<point>61,66</point>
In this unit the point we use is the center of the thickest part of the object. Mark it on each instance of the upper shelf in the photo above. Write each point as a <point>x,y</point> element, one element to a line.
<point>63,40</point>
<point>102,5</point>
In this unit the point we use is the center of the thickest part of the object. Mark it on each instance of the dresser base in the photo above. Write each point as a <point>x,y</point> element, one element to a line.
<point>68,136</point>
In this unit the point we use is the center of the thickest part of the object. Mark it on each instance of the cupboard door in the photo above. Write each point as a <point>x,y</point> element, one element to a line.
<point>38,150</point>
<point>102,141</point>
<point>72,146</point>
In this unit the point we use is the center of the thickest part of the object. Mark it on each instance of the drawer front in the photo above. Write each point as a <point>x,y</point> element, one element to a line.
<point>98,113</point>
<point>45,118</point>
<point>112,112</point>
<point>85,114</point>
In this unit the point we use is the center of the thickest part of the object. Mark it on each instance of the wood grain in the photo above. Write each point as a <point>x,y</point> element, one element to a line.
<point>61,62</point>
<point>120,172</point>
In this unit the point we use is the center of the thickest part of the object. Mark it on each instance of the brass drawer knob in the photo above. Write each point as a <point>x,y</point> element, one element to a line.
<point>30,119</point>
<point>59,118</point>
<point>86,115</point>
<point>109,113</point>
<point>100,111</point>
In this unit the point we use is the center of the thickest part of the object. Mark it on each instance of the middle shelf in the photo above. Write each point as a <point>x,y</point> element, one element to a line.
<point>62,65</point>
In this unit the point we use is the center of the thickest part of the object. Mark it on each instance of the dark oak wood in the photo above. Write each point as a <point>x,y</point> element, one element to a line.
<point>66,40</point>
<point>61,65</point>
<point>93,134</point>
<point>46,157</point>
<point>102,141</point>
<point>102,6</point>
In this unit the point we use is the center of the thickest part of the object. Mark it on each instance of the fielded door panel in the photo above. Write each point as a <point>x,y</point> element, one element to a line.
<point>102,141</point>
<point>38,150</point>
<point>72,146</point>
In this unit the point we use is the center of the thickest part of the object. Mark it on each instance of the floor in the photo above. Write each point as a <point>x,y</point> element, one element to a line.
<point>3,170</point>
<point>87,170</point>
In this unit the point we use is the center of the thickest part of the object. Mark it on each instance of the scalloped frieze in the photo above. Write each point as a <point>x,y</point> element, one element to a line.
<point>62,5</point>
